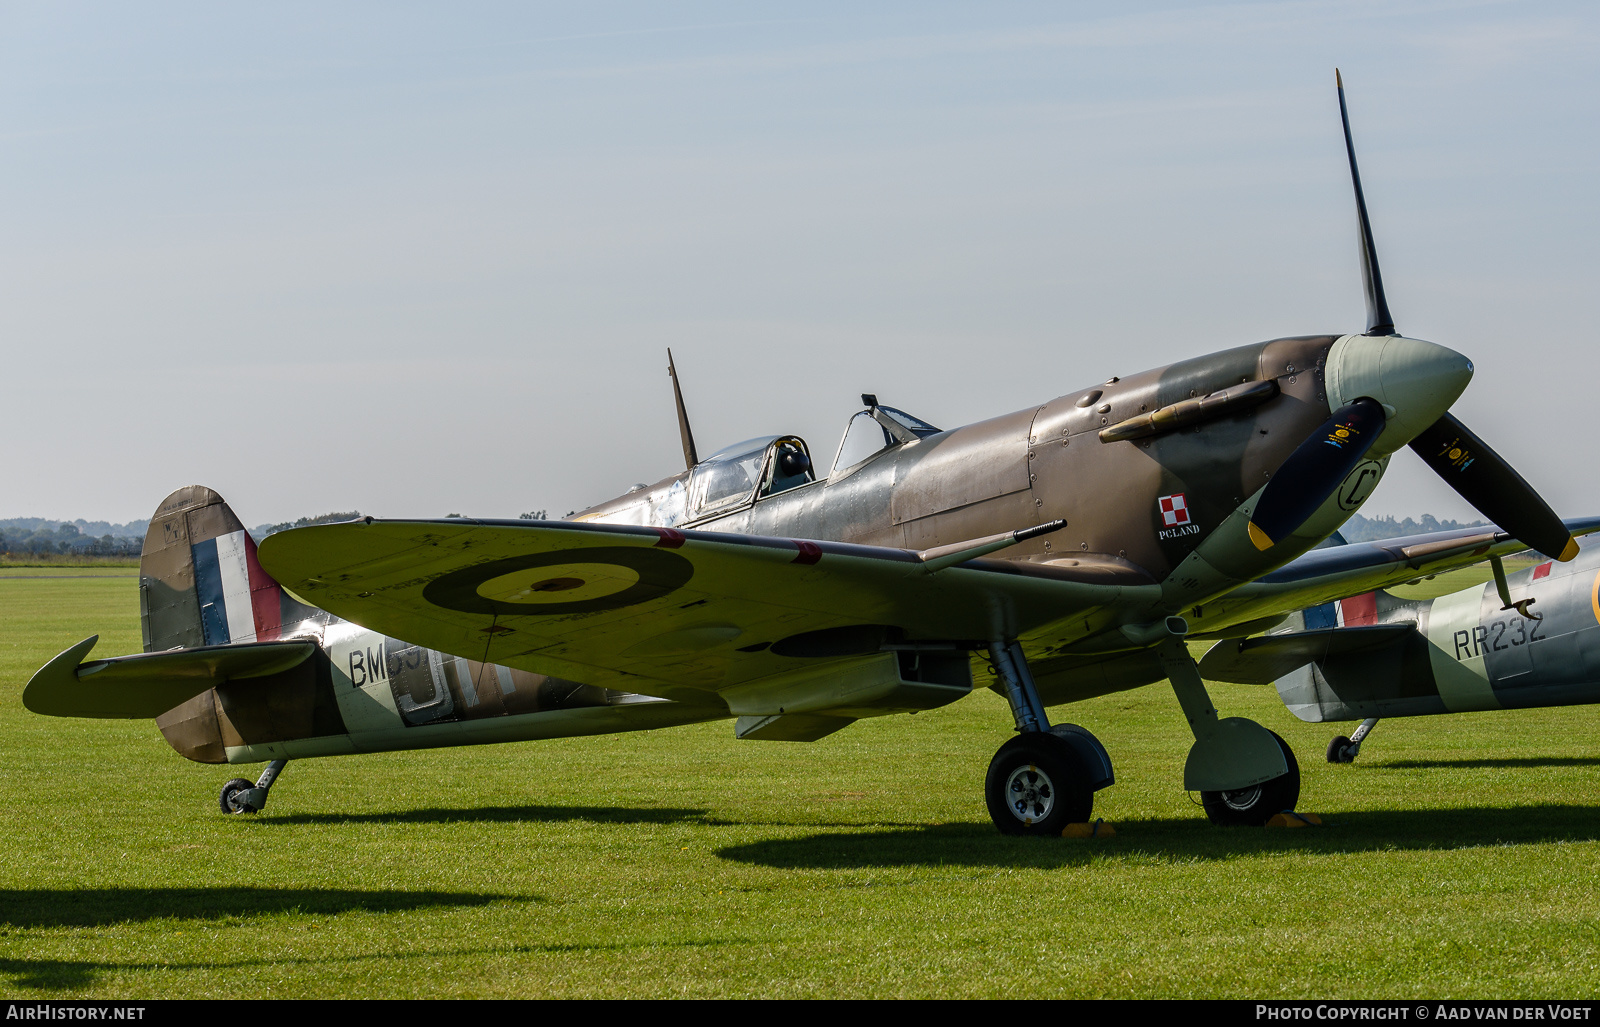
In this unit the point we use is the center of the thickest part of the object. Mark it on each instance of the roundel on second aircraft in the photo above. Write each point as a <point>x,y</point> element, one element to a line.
<point>569,581</point>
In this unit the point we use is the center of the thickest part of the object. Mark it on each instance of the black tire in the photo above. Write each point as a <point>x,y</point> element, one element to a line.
<point>1339,751</point>
<point>1254,806</point>
<point>1037,784</point>
<point>232,798</point>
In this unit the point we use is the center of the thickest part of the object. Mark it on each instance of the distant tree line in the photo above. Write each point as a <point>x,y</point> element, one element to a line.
<point>65,538</point>
<point>1371,529</point>
<point>261,531</point>
<point>37,536</point>
<point>133,529</point>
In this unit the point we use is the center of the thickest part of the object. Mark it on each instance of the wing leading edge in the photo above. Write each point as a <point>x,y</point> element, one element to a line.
<point>1337,572</point>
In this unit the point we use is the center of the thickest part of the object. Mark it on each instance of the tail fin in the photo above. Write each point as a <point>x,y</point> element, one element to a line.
<point>199,580</point>
<point>1375,607</point>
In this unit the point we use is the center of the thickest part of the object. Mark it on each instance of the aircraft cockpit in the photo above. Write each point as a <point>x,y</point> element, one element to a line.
<point>874,430</point>
<point>737,475</point>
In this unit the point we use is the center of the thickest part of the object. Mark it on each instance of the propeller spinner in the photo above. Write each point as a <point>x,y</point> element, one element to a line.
<point>1386,382</point>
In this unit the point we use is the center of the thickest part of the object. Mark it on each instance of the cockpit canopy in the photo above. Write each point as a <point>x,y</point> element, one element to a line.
<point>741,474</point>
<point>736,475</point>
<point>875,429</point>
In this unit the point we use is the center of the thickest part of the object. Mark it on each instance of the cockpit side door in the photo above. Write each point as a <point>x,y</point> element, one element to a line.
<point>787,466</point>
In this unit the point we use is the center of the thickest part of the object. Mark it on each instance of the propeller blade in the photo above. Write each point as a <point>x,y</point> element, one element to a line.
<point>1314,470</point>
<point>1379,320</point>
<point>1493,487</point>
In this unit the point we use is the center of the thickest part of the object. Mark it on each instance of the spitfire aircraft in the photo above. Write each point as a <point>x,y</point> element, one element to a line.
<point>1525,640</point>
<point>1055,553</point>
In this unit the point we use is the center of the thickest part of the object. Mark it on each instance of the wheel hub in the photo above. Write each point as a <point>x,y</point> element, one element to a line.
<point>1030,794</point>
<point>1244,799</point>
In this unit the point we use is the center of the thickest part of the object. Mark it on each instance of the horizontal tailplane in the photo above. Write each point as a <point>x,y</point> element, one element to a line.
<point>145,686</point>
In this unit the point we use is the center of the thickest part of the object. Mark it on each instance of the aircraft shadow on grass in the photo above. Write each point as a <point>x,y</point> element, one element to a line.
<point>68,974</point>
<point>973,845</point>
<point>495,815</point>
<point>533,814</point>
<point>1502,763</point>
<point>101,907</point>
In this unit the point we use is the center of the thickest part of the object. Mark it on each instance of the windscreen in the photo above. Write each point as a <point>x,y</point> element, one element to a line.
<point>862,438</point>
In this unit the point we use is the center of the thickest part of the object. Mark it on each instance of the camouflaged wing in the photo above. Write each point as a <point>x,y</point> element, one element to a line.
<point>1337,572</point>
<point>651,610</point>
<point>1263,660</point>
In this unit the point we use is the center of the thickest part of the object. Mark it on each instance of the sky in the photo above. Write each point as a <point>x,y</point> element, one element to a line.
<point>419,259</point>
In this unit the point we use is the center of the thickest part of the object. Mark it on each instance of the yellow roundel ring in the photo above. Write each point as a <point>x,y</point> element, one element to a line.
<point>1594,597</point>
<point>574,582</point>
<point>568,581</point>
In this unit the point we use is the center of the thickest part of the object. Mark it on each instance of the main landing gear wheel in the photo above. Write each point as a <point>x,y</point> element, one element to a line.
<point>1254,806</point>
<point>232,799</point>
<point>1037,785</point>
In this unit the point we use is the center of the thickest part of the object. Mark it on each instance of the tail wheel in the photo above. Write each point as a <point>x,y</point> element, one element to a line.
<point>1254,806</point>
<point>1037,784</point>
<point>232,799</point>
<point>1339,751</point>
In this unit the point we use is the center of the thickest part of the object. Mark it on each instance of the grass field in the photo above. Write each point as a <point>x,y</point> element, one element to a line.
<point>1459,859</point>
<point>9,561</point>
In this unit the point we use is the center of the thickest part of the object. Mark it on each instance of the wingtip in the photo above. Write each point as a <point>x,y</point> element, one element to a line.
<point>1259,537</point>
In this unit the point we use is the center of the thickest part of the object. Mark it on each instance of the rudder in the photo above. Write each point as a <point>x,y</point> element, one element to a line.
<point>199,580</point>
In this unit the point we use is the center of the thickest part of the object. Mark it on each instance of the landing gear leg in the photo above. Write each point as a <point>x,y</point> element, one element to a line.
<point>1243,772</point>
<point>1012,667</point>
<point>1344,750</point>
<point>240,796</point>
<point>1043,779</point>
